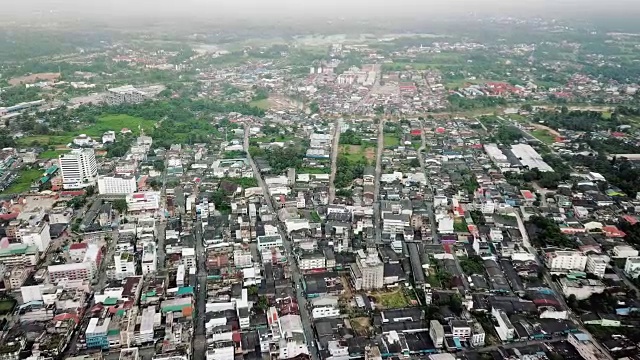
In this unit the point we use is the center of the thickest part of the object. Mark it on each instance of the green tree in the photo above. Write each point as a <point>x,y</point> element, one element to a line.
<point>121,206</point>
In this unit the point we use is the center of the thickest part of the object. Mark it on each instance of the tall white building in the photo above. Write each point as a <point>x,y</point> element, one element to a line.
<point>117,184</point>
<point>79,168</point>
<point>37,235</point>
<point>597,265</point>
<point>125,265</point>
<point>143,201</point>
<point>566,261</point>
<point>632,267</point>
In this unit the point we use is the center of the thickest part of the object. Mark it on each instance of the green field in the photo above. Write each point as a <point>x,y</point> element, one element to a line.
<point>261,104</point>
<point>544,136</point>
<point>116,123</point>
<point>6,305</point>
<point>52,154</point>
<point>24,181</point>
<point>390,141</point>
<point>357,152</point>
<point>41,140</point>
<point>392,300</point>
<point>314,170</point>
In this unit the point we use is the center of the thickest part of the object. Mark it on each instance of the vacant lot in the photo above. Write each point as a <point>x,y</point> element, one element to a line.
<point>24,181</point>
<point>391,141</point>
<point>52,154</point>
<point>544,136</point>
<point>358,152</point>
<point>391,300</point>
<point>6,305</point>
<point>116,123</point>
<point>29,79</point>
<point>41,140</point>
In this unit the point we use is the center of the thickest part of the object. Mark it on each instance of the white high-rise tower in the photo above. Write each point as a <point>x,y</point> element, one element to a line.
<point>79,169</point>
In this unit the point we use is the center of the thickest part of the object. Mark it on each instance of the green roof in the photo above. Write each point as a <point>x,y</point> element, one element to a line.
<point>110,301</point>
<point>185,290</point>
<point>175,308</point>
<point>113,332</point>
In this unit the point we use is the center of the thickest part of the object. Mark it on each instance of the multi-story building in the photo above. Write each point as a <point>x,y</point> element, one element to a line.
<point>79,168</point>
<point>312,261</point>
<point>149,258</point>
<point>624,251</point>
<point>125,265</point>
<point>96,333</point>
<point>585,347</point>
<point>37,235</point>
<point>563,260</point>
<point>632,267</point>
<point>72,271</point>
<point>119,184</point>
<point>505,329</point>
<point>597,265</point>
<point>324,307</point>
<point>18,254</point>
<point>145,334</point>
<point>143,201</point>
<point>368,271</point>
<point>460,329</point>
<point>188,258</point>
<point>268,242</point>
<point>124,94</point>
<point>436,332</point>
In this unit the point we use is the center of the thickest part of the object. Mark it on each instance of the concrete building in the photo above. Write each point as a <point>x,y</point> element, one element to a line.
<point>582,289</point>
<point>125,265</point>
<point>124,94</point>
<point>36,235</point>
<point>147,320</point>
<point>624,251</point>
<point>72,271</point>
<point>149,258</point>
<point>368,271</point>
<point>79,168</point>
<point>143,201</point>
<point>311,261</point>
<point>117,184</point>
<point>632,267</point>
<point>562,260</point>
<point>505,329</point>
<point>269,241</point>
<point>436,332</point>
<point>324,307</point>
<point>585,347</point>
<point>597,265</point>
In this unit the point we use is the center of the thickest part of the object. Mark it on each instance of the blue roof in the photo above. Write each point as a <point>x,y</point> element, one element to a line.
<point>582,337</point>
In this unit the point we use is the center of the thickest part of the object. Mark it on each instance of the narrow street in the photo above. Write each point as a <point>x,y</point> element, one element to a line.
<point>293,266</point>
<point>335,145</point>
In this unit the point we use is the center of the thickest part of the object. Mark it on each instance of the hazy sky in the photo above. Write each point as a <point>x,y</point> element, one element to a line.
<point>230,9</point>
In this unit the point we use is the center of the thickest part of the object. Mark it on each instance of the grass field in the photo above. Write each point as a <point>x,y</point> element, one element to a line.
<point>52,154</point>
<point>6,305</point>
<point>390,141</point>
<point>116,123</point>
<point>23,182</point>
<point>544,136</point>
<point>392,300</point>
<point>263,104</point>
<point>44,140</point>
<point>312,170</point>
<point>357,152</point>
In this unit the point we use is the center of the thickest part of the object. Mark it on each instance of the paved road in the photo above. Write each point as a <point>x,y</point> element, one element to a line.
<point>199,339</point>
<point>377,220</point>
<point>293,266</point>
<point>334,158</point>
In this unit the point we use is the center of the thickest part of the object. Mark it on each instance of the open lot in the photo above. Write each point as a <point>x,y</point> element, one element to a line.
<point>358,152</point>
<point>24,181</point>
<point>6,305</point>
<point>116,123</point>
<point>39,140</point>
<point>544,136</point>
<point>391,140</point>
<point>391,300</point>
<point>52,154</point>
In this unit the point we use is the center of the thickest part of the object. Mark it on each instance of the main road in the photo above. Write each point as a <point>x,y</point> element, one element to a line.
<point>199,339</point>
<point>335,145</point>
<point>377,220</point>
<point>293,265</point>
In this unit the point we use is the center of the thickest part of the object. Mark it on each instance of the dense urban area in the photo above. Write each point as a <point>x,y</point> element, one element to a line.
<point>321,197</point>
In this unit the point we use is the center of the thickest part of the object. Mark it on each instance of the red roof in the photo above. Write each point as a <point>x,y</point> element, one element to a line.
<point>78,246</point>
<point>416,132</point>
<point>440,130</point>
<point>138,196</point>
<point>618,134</point>
<point>613,231</point>
<point>527,194</point>
<point>630,219</point>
